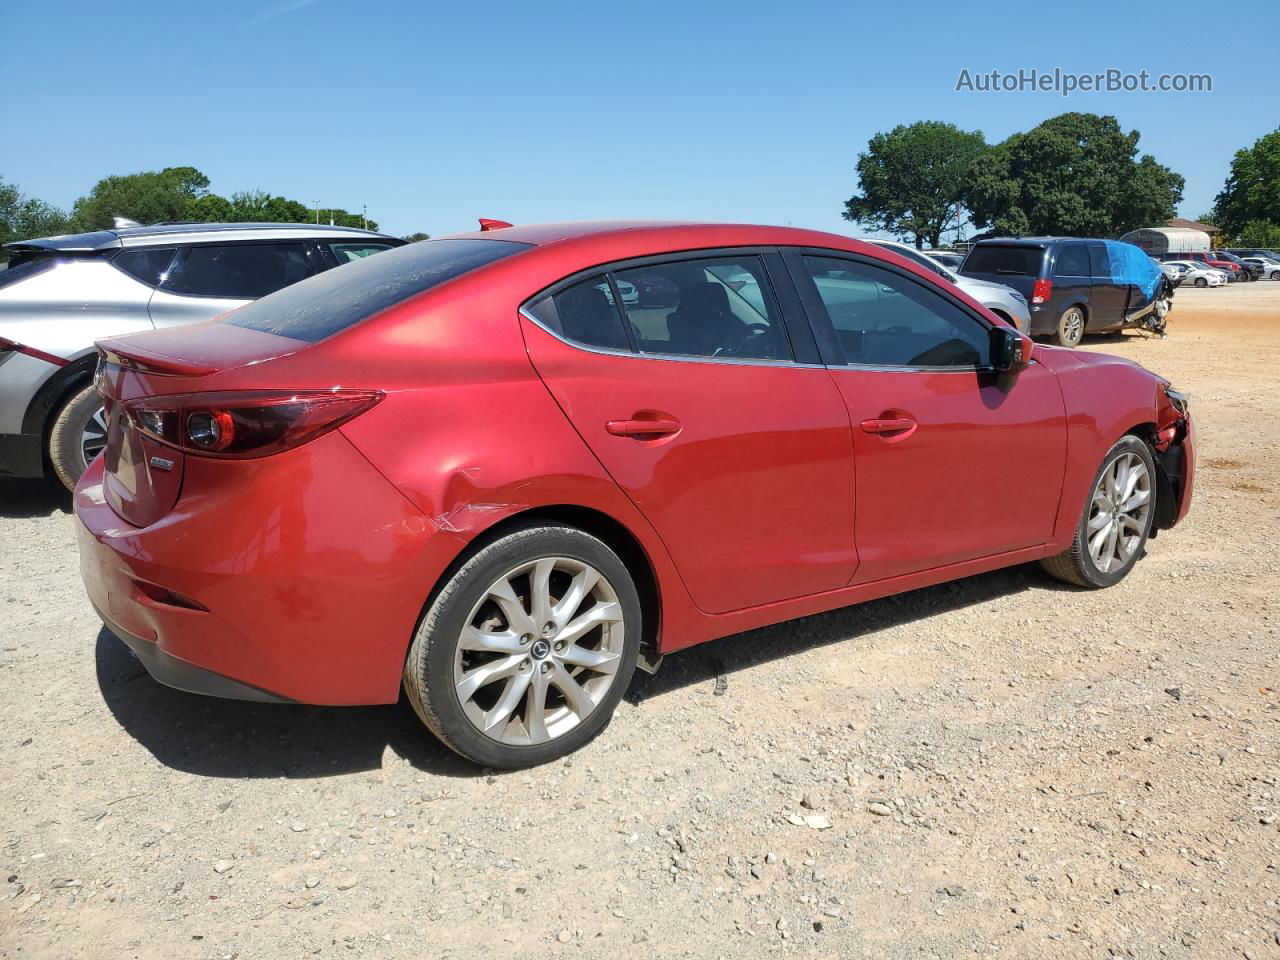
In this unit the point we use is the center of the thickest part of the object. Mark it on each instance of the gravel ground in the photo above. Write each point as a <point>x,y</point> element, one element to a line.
<point>1000,766</point>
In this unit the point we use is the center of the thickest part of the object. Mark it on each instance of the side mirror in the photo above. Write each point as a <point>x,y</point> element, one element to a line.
<point>1010,352</point>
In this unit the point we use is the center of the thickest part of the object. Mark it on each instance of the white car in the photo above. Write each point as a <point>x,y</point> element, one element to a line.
<point>1270,268</point>
<point>1176,272</point>
<point>1198,275</point>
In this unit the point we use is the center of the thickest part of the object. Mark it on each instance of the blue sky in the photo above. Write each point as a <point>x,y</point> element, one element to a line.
<point>434,114</point>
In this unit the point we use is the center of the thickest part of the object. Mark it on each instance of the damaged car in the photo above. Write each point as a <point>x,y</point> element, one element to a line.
<point>478,470</point>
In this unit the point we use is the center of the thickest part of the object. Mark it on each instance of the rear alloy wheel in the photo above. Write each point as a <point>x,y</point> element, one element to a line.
<point>1070,327</point>
<point>1116,520</point>
<point>79,434</point>
<point>1275,274</point>
<point>526,651</point>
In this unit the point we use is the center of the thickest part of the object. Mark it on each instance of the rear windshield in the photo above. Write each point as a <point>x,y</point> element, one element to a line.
<point>339,298</point>
<point>1018,261</point>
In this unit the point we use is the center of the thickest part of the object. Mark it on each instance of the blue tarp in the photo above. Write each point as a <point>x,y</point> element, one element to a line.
<point>1130,265</point>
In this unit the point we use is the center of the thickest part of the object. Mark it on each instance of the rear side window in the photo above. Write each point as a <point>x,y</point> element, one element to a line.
<point>1099,261</point>
<point>1012,260</point>
<point>718,307</point>
<point>147,264</point>
<point>1072,261</point>
<point>585,313</point>
<point>346,252</point>
<point>337,299</point>
<point>240,271</point>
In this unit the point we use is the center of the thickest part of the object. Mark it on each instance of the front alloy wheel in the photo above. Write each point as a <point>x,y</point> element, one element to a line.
<point>526,650</point>
<point>1116,521</point>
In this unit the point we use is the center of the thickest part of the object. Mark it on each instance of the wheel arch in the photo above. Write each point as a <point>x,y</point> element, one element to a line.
<point>54,392</point>
<point>615,534</point>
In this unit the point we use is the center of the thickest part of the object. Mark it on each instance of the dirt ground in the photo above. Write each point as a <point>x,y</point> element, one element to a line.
<point>1000,766</point>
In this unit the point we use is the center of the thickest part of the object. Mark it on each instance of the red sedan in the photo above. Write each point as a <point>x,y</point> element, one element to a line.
<point>502,469</point>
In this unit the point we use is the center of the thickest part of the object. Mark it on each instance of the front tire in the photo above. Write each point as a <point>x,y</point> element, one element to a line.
<point>1116,520</point>
<point>525,652</point>
<point>78,435</point>
<point>1070,329</point>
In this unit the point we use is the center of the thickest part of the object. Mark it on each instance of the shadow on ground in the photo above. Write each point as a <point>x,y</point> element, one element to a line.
<point>33,498</point>
<point>230,738</point>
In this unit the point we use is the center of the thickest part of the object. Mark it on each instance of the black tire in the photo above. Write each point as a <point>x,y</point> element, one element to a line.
<point>429,668</point>
<point>67,437</point>
<point>1070,329</point>
<point>1275,274</point>
<point>1201,282</point>
<point>1076,564</point>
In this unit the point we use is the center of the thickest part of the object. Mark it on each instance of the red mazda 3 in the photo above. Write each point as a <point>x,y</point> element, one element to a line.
<point>505,468</point>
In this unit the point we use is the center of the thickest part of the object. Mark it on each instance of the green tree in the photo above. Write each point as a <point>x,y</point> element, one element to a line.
<point>415,237</point>
<point>1252,191</point>
<point>23,218</point>
<point>209,208</point>
<point>913,180</point>
<point>1077,174</point>
<point>148,197</point>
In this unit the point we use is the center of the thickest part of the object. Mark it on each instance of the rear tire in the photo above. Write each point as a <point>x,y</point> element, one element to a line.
<point>78,435</point>
<point>500,669</point>
<point>1070,329</point>
<point>1115,522</point>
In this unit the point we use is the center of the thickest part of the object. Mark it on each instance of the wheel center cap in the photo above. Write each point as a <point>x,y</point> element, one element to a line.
<point>540,649</point>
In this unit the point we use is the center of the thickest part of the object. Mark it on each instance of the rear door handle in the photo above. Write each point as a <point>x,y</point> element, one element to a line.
<point>643,429</point>
<point>891,425</point>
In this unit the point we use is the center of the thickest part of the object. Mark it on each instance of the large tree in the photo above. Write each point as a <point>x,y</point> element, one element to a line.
<point>150,197</point>
<point>1252,191</point>
<point>23,217</point>
<point>913,180</point>
<point>1077,174</point>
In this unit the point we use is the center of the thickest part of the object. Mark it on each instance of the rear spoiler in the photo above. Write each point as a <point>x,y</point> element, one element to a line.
<point>147,361</point>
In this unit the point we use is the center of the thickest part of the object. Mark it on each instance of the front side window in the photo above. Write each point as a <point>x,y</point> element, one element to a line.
<point>240,271</point>
<point>584,313</point>
<point>716,307</point>
<point>882,318</point>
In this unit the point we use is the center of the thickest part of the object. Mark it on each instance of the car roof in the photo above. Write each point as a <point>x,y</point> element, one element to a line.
<point>672,235</point>
<point>160,234</point>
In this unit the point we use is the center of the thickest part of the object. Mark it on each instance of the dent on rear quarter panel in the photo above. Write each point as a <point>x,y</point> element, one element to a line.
<point>1105,398</point>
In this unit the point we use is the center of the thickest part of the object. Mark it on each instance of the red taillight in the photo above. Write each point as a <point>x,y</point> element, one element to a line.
<point>1042,291</point>
<point>240,424</point>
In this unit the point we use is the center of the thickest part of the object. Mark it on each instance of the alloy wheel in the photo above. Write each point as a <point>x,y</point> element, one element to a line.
<point>94,436</point>
<point>539,651</point>
<point>1071,327</point>
<point>1118,514</point>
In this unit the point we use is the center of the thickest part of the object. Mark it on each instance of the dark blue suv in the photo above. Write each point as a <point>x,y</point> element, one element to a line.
<point>1076,286</point>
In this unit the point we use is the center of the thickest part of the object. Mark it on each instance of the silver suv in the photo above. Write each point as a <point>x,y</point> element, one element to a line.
<point>1005,302</point>
<point>60,294</point>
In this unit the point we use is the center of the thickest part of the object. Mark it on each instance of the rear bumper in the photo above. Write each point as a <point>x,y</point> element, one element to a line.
<point>21,455</point>
<point>184,676</point>
<point>297,577</point>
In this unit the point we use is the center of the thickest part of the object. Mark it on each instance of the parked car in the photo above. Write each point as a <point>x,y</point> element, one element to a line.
<point>457,467</point>
<point>1264,267</point>
<point>62,293</point>
<point>1199,274</point>
<point>1255,252</point>
<point>1076,286</point>
<point>1176,272</point>
<point>1245,272</point>
<point>1002,300</point>
<point>949,260</point>
<point>1210,259</point>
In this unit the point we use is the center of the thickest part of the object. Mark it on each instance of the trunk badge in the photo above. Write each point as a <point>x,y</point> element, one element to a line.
<point>161,463</point>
